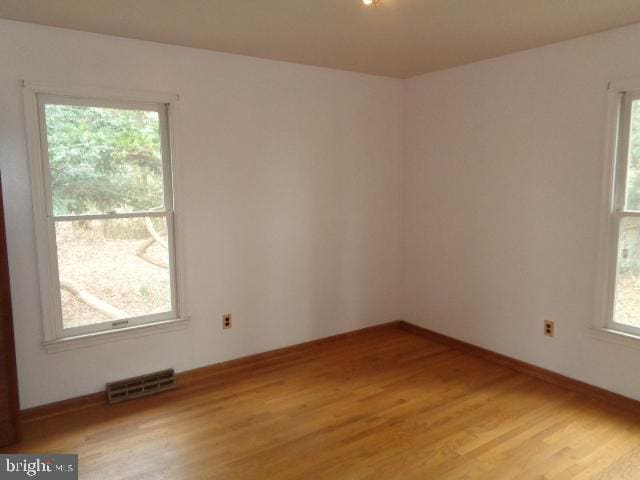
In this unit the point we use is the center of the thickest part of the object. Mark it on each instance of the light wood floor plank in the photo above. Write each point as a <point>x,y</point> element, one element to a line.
<point>379,404</point>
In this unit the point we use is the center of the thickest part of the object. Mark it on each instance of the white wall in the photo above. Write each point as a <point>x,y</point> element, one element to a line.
<point>295,202</point>
<point>291,187</point>
<point>504,164</point>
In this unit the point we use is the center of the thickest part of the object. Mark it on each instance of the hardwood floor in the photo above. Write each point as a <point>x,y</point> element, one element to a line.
<point>379,404</point>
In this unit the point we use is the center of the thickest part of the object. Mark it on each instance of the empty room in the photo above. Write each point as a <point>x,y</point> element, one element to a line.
<point>319,239</point>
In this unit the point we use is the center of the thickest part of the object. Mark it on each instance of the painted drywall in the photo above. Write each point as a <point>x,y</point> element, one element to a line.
<point>503,181</point>
<point>319,201</point>
<point>291,193</point>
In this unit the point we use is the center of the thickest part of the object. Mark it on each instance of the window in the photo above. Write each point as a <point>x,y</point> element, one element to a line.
<point>104,213</point>
<point>623,313</point>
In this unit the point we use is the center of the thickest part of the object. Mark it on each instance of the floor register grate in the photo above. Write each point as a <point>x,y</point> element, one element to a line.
<point>141,386</point>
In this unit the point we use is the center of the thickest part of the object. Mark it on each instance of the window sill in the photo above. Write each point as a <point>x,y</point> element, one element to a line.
<point>97,338</point>
<point>615,336</point>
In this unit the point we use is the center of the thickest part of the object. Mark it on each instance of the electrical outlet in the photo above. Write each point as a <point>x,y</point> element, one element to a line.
<point>226,321</point>
<point>549,328</point>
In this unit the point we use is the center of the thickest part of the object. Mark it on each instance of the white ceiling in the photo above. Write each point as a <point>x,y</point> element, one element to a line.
<point>399,38</point>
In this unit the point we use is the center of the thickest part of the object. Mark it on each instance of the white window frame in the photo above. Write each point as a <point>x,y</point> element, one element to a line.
<point>55,336</point>
<point>620,98</point>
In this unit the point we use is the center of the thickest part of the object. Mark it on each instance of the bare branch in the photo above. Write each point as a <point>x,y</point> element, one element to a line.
<point>94,302</point>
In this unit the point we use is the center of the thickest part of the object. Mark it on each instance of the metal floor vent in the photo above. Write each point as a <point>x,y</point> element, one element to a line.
<point>141,386</point>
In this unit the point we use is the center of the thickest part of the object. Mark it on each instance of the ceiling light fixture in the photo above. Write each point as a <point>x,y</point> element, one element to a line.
<point>375,3</point>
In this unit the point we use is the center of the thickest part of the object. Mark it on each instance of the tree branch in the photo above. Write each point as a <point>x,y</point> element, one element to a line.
<point>142,253</point>
<point>94,302</point>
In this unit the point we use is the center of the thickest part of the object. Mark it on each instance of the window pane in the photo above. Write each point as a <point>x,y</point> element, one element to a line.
<point>103,159</point>
<point>112,269</point>
<point>627,303</point>
<point>633,170</point>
